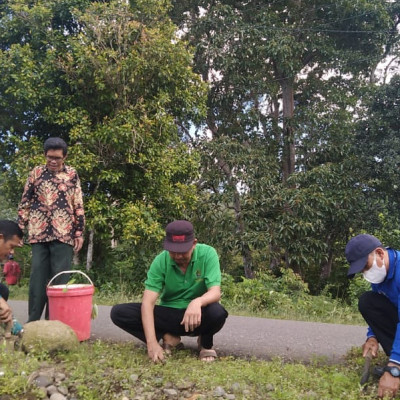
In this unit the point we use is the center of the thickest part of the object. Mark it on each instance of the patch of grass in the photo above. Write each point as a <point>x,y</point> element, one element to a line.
<point>18,292</point>
<point>100,370</point>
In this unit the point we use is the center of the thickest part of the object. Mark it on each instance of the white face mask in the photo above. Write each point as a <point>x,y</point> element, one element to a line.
<point>376,274</point>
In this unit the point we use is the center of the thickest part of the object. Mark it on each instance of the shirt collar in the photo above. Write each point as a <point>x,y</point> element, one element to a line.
<point>392,262</point>
<point>63,169</point>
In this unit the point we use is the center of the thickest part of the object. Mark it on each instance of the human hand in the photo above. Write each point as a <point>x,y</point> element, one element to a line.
<point>370,345</point>
<point>192,316</point>
<point>78,242</point>
<point>388,385</point>
<point>155,352</point>
<point>5,311</point>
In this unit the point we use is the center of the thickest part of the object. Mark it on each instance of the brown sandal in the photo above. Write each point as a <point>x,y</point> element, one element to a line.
<point>204,353</point>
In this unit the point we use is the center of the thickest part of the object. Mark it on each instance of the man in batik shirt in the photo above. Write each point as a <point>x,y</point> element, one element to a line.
<point>51,210</point>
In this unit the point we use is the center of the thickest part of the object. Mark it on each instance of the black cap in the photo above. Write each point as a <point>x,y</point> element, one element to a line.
<point>357,251</point>
<point>179,236</point>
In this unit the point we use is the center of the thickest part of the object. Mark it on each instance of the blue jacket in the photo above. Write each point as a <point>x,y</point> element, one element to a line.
<point>390,287</point>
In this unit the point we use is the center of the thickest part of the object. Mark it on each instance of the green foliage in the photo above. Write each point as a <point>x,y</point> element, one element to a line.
<point>116,87</point>
<point>283,296</point>
<point>358,285</point>
<point>279,176</point>
<point>102,370</point>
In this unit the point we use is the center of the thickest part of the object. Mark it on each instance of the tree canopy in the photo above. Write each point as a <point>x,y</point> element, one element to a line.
<point>265,123</point>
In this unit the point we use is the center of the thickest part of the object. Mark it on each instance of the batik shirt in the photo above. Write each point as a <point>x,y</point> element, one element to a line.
<point>51,206</point>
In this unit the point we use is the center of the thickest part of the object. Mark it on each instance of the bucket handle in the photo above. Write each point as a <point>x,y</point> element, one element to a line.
<point>69,272</point>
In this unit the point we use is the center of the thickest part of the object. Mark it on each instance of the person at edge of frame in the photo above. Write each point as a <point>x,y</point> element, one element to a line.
<point>379,307</point>
<point>10,237</point>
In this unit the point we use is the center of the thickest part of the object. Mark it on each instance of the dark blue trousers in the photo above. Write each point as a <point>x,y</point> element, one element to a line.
<point>381,316</point>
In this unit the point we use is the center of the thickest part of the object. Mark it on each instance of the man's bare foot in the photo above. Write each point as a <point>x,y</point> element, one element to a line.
<point>171,342</point>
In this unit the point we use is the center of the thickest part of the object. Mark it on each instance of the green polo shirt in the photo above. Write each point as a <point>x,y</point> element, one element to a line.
<point>178,289</point>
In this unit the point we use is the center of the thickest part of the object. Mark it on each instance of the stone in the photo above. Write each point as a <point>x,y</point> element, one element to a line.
<point>133,378</point>
<point>48,336</point>
<point>184,385</point>
<point>219,392</point>
<point>170,392</point>
<point>235,387</point>
<point>269,387</point>
<point>59,376</point>
<point>51,389</point>
<point>43,381</point>
<point>57,396</point>
<point>63,390</point>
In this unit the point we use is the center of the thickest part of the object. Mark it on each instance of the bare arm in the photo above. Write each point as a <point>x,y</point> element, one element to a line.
<point>192,317</point>
<point>5,311</point>
<point>154,350</point>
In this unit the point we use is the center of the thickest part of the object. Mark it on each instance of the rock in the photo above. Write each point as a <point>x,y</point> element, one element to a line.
<point>170,392</point>
<point>230,396</point>
<point>51,389</point>
<point>184,385</point>
<point>48,336</point>
<point>133,378</point>
<point>235,387</point>
<point>57,396</point>
<point>59,376</point>
<point>269,387</point>
<point>63,390</point>
<point>43,381</point>
<point>311,395</point>
<point>219,392</point>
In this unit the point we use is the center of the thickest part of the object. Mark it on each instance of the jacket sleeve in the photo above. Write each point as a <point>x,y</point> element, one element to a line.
<point>24,206</point>
<point>395,353</point>
<point>79,213</point>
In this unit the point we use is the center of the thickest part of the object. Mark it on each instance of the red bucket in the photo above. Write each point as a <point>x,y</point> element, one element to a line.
<point>72,304</point>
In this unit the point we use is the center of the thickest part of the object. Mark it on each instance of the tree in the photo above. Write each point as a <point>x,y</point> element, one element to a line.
<point>267,63</point>
<point>115,85</point>
<point>378,140</point>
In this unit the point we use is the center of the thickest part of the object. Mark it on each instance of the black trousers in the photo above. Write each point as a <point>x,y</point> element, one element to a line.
<point>4,292</point>
<point>382,316</point>
<point>48,259</point>
<point>128,317</point>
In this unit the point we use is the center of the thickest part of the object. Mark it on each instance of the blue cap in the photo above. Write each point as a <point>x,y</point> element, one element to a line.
<point>357,251</point>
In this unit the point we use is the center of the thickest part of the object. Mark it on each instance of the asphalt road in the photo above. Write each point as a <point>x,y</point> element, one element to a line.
<point>250,337</point>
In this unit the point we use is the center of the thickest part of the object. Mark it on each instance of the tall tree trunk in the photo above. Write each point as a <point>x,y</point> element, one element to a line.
<point>326,268</point>
<point>226,170</point>
<point>89,256</point>
<point>288,151</point>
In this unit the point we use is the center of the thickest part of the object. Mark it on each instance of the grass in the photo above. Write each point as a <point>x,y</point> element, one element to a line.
<point>100,370</point>
<point>105,371</point>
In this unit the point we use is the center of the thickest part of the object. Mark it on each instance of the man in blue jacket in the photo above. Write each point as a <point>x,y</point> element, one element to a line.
<point>380,307</point>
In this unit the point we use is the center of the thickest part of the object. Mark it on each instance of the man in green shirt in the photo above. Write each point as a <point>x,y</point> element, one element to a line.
<point>187,277</point>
